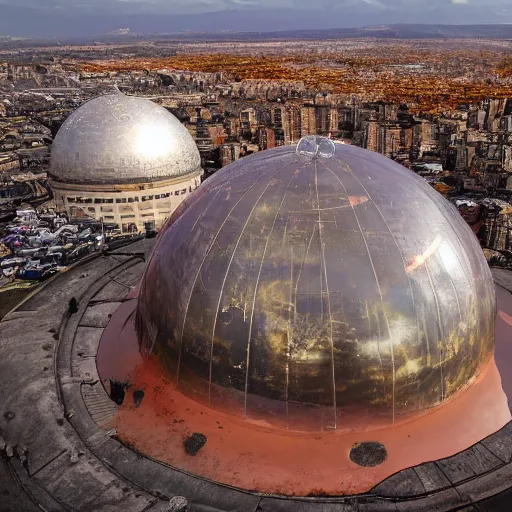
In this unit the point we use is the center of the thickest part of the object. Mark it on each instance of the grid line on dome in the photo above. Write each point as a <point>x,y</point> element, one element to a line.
<point>201,266</point>
<point>379,289</point>
<point>290,338</point>
<point>226,276</point>
<point>197,275</point>
<point>439,326</point>
<point>455,293</point>
<point>349,170</point>
<point>442,357</point>
<point>257,284</point>
<point>452,220</point>
<point>378,333</point>
<point>324,265</point>
<point>199,218</point>
<point>347,167</point>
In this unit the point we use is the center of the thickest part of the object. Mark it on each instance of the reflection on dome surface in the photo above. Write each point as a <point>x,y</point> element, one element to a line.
<point>302,292</point>
<point>117,138</point>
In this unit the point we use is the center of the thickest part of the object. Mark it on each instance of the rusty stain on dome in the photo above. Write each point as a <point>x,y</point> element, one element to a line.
<point>299,291</point>
<point>122,139</point>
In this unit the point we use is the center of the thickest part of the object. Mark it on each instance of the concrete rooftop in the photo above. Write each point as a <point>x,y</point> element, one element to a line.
<point>58,455</point>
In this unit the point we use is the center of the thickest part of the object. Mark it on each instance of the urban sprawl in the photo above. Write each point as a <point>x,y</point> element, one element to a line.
<point>447,118</point>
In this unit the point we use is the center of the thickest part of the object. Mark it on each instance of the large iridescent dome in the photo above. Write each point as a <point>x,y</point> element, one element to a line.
<point>303,285</point>
<point>122,139</point>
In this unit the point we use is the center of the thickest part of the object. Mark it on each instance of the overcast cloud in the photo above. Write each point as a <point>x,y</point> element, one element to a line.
<point>203,6</point>
<point>67,17</point>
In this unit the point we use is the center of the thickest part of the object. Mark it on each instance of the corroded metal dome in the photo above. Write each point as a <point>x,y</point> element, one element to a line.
<point>301,286</point>
<point>122,139</point>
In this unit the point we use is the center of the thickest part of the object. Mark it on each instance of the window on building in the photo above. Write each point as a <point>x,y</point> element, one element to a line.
<point>109,217</point>
<point>184,191</point>
<point>131,200</point>
<point>98,201</point>
<point>106,209</point>
<point>110,201</point>
<point>92,210</point>
<point>127,216</point>
<point>176,192</point>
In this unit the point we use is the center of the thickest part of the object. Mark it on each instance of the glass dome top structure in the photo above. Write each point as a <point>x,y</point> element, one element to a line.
<point>304,286</point>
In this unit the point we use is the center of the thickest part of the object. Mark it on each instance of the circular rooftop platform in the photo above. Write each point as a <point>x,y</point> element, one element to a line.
<point>60,451</point>
<point>307,328</point>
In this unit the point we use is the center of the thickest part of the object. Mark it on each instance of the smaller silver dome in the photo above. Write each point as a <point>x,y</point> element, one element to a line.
<point>119,139</point>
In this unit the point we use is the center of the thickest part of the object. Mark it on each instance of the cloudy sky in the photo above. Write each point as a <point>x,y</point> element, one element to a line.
<point>202,6</point>
<point>39,17</point>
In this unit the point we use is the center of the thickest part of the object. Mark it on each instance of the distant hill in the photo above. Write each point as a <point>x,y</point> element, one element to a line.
<point>68,23</point>
<point>393,31</point>
<point>424,31</point>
